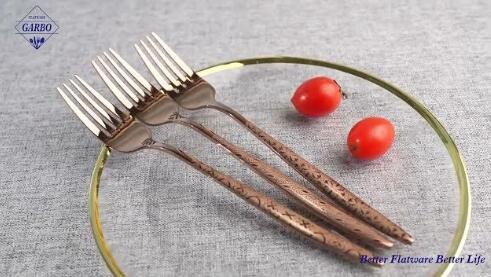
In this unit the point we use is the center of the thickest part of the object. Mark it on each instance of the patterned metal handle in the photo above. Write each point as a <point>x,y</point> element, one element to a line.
<point>326,210</point>
<point>286,216</point>
<point>322,181</point>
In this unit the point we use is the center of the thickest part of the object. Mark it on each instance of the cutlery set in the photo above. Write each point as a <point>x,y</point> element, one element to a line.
<point>354,226</point>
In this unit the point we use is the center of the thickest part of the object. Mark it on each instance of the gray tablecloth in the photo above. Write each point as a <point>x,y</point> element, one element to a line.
<point>438,50</point>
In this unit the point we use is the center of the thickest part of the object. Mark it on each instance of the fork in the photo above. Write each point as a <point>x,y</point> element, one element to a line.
<point>151,106</point>
<point>192,92</point>
<point>122,132</point>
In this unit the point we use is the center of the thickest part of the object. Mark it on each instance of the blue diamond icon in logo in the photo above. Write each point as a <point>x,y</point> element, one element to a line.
<point>36,27</point>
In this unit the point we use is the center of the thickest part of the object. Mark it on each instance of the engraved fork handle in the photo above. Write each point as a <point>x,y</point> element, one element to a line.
<point>284,215</point>
<point>322,181</point>
<point>326,210</point>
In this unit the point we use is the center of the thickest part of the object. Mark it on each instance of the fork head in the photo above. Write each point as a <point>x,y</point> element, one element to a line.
<point>142,99</point>
<point>174,76</point>
<point>114,127</point>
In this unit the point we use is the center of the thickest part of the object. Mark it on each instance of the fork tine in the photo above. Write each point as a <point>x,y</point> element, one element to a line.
<point>121,84</point>
<point>166,60</point>
<point>85,120</point>
<point>174,56</point>
<point>98,108</point>
<point>132,71</point>
<point>86,107</point>
<point>166,72</point>
<point>115,111</point>
<point>113,88</point>
<point>125,76</point>
<point>160,79</point>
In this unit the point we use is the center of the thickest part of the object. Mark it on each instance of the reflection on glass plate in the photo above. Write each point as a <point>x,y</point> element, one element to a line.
<point>161,217</point>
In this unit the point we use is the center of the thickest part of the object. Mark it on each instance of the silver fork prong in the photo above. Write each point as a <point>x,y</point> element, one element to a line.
<point>160,79</point>
<point>132,71</point>
<point>85,120</point>
<point>121,84</point>
<point>174,56</point>
<point>91,112</point>
<point>113,88</point>
<point>125,76</point>
<point>164,70</point>
<point>94,104</point>
<point>166,60</point>
<point>115,111</point>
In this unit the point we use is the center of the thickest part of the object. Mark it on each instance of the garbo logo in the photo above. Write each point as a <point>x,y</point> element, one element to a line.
<point>36,27</point>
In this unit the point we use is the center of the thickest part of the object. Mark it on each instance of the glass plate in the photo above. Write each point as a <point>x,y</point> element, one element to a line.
<point>158,221</point>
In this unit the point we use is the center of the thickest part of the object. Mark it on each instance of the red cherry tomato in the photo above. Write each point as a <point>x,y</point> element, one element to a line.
<point>317,97</point>
<point>370,138</point>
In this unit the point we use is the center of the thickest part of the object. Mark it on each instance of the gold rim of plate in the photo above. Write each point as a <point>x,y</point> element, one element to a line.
<point>463,222</point>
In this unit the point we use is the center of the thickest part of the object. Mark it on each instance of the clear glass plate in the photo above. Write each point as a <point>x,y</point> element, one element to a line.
<point>153,215</point>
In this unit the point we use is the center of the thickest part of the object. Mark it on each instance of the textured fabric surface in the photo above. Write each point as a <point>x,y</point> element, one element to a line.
<point>162,218</point>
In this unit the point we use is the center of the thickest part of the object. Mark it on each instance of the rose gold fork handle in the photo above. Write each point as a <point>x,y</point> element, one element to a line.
<point>286,216</point>
<point>326,210</point>
<point>322,181</point>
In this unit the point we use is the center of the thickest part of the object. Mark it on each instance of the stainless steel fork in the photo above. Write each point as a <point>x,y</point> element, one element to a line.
<point>153,107</point>
<point>122,132</point>
<point>192,92</point>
